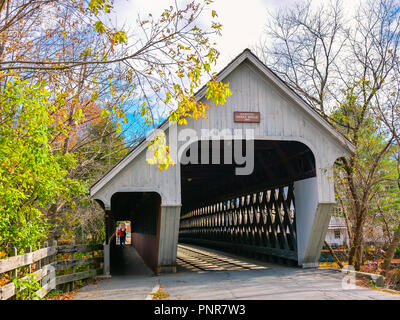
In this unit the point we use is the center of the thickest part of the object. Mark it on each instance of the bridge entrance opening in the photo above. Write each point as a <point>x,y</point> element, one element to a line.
<point>123,233</point>
<point>252,215</point>
<point>139,214</point>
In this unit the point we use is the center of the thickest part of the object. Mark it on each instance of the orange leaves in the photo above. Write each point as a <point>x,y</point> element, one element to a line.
<point>4,279</point>
<point>73,118</point>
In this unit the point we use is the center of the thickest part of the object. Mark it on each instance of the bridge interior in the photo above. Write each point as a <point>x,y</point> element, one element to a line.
<point>252,215</point>
<point>143,210</point>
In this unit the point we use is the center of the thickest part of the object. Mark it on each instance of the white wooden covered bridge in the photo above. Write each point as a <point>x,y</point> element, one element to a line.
<point>279,210</point>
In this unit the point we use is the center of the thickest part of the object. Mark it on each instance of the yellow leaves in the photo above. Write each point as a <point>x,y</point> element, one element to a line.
<point>217,26</point>
<point>146,113</point>
<point>214,14</point>
<point>180,74</point>
<point>168,97</point>
<point>207,67</point>
<point>188,107</point>
<point>160,152</point>
<point>119,37</point>
<point>86,52</point>
<point>99,27</point>
<point>182,121</point>
<point>104,113</point>
<point>99,5</point>
<point>217,92</point>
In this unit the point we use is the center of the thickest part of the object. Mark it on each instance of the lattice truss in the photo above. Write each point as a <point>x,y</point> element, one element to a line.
<point>262,223</point>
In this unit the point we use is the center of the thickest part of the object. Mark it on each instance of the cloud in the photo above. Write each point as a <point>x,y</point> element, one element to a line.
<point>243,20</point>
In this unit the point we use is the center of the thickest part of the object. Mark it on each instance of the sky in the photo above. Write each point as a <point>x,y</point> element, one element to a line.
<point>243,20</point>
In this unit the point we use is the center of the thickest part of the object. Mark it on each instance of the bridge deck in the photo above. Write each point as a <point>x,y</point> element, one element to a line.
<point>197,259</point>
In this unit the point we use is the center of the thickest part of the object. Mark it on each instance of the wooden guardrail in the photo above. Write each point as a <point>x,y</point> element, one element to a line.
<point>53,267</point>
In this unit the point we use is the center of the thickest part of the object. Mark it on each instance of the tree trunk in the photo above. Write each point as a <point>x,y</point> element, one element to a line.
<point>390,252</point>
<point>358,253</point>
<point>348,225</point>
<point>356,248</point>
<point>333,254</point>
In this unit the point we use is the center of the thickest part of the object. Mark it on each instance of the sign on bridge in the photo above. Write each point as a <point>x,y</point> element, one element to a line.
<point>247,117</point>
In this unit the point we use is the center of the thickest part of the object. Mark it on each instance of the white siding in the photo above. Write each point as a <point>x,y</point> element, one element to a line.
<point>283,117</point>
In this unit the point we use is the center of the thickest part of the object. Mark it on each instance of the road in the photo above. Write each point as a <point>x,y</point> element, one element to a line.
<point>205,274</point>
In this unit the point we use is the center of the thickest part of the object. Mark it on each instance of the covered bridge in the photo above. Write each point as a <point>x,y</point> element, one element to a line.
<point>255,176</point>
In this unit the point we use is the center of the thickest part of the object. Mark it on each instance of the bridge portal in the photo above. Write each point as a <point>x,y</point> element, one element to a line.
<point>255,177</point>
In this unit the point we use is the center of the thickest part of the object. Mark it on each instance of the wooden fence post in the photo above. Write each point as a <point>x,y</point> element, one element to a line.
<point>13,273</point>
<point>45,261</point>
<point>39,263</point>
<point>53,260</point>
<point>54,257</point>
<point>71,285</point>
<point>30,266</point>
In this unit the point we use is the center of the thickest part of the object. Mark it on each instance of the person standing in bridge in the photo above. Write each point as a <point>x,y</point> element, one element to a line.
<point>118,235</point>
<point>122,237</point>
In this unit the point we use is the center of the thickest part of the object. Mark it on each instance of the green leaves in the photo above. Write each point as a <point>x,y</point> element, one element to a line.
<point>32,175</point>
<point>27,287</point>
<point>99,27</point>
<point>96,6</point>
<point>119,37</point>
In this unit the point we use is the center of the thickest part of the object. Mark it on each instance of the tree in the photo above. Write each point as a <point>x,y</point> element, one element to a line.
<point>388,113</point>
<point>303,46</point>
<point>83,219</point>
<point>360,177</point>
<point>98,74</point>
<point>31,174</point>
<point>345,69</point>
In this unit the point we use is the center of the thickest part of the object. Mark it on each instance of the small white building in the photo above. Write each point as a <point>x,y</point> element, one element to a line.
<point>337,234</point>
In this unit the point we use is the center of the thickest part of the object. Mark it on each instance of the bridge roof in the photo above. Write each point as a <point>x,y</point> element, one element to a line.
<point>271,76</point>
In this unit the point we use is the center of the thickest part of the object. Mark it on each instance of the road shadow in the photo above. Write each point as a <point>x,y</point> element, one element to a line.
<point>125,260</point>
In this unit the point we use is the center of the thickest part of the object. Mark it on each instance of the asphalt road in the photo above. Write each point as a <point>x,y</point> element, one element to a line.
<point>205,274</point>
